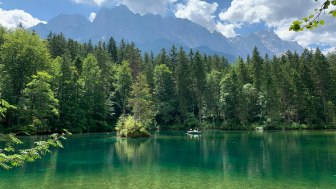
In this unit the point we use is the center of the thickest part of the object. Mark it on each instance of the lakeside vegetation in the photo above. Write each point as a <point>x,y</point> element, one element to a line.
<point>60,83</point>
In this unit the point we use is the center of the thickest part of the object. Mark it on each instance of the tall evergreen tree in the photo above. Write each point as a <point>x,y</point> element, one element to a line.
<point>147,68</point>
<point>183,84</point>
<point>57,44</point>
<point>271,104</point>
<point>172,58</point>
<point>257,69</point>
<point>212,94</point>
<point>199,78</point>
<point>112,50</point>
<point>141,102</point>
<point>123,86</point>
<point>164,94</point>
<point>91,92</point>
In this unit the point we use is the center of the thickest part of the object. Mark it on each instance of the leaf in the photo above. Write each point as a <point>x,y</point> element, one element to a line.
<point>326,5</point>
<point>321,22</point>
<point>315,24</point>
<point>333,13</point>
<point>296,26</point>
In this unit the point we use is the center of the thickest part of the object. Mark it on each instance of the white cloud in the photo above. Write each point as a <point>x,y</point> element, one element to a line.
<point>199,12</point>
<point>12,18</point>
<point>203,13</point>
<point>227,29</point>
<point>329,50</point>
<point>279,16</point>
<point>148,6</point>
<point>137,6</point>
<point>92,2</point>
<point>92,16</point>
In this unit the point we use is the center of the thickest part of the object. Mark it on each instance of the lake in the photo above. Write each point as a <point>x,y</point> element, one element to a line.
<point>172,159</point>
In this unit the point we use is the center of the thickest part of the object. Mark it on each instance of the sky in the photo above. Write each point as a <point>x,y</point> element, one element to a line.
<point>228,17</point>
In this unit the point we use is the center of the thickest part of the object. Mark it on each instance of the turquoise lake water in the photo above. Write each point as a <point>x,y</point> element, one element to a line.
<point>172,159</point>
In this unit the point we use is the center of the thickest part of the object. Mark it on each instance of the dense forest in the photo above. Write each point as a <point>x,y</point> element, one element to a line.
<point>57,83</point>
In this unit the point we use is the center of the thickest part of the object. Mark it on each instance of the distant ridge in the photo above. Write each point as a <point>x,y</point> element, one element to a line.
<point>153,32</point>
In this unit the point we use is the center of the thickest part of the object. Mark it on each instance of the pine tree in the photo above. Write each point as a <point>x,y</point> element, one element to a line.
<point>257,69</point>
<point>183,87</point>
<point>230,95</point>
<point>141,102</point>
<point>57,44</point>
<point>322,80</point>
<point>212,94</point>
<point>164,94</point>
<point>68,92</point>
<point>271,104</point>
<point>121,51</point>
<point>133,56</point>
<point>242,70</point>
<point>122,86</point>
<point>147,68</point>
<point>172,58</point>
<point>162,58</point>
<point>199,78</point>
<point>112,50</point>
<point>90,79</point>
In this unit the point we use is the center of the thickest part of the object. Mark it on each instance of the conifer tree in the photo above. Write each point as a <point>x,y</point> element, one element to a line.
<point>164,94</point>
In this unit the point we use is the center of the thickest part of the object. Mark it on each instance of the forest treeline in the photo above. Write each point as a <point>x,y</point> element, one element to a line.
<point>60,83</point>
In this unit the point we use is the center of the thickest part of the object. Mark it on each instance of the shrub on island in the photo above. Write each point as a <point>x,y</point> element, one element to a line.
<point>128,127</point>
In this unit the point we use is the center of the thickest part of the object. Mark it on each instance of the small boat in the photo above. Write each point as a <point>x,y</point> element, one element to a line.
<point>194,132</point>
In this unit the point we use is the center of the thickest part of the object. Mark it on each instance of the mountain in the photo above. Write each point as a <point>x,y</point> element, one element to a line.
<point>153,32</point>
<point>73,26</point>
<point>266,41</point>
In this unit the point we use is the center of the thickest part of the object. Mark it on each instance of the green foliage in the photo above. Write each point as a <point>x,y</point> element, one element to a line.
<point>4,106</point>
<point>112,50</point>
<point>123,86</point>
<point>183,85</point>
<point>69,91</point>
<point>11,157</point>
<point>128,126</point>
<point>164,94</point>
<point>56,44</point>
<point>212,94</point>
<point>141,102</point>
<point>199,82</point>
<point>22,54</point>
<point>87,87</point>
<point>38,105</point>
<point>92,93</point>
<point>314,21</point>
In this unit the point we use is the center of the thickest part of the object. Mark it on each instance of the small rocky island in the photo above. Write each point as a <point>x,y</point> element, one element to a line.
<point>143,114</point>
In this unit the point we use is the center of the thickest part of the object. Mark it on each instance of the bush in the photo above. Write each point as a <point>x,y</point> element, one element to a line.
<point>128,127</point>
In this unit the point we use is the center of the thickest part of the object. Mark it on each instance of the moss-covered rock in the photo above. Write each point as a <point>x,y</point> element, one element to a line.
<point>128,127</point>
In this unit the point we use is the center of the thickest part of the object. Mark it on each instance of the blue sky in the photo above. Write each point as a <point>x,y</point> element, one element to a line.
<point>229,17</point>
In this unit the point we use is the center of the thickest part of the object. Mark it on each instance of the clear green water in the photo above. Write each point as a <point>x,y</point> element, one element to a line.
<point>217,159</point>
